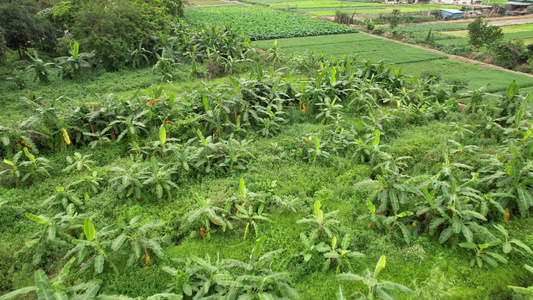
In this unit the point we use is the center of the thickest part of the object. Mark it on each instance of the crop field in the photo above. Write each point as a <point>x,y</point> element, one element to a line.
<point>460,37</point>
<point>413,61</point>
<point>197,167</point>
<point>434,27</point>
<point>293,2</point>
<point>328,8</point>
<point>301,183</point>
<point>260,23</point>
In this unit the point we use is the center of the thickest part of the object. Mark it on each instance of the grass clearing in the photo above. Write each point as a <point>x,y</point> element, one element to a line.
<point>260,23</point>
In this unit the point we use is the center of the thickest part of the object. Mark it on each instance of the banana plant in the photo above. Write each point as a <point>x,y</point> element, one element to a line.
<point>71,66</point>
<point>309,245</point>
<point>94,249</point>
<point>522,290</point>
<point>39,67</point>
<point>251,217</point>
<point>63,197</point>
<point>99,138</point>
<point>46,289</point>
<point>56,289</point>
<point>37,166</point>
<point>513,184</point>
<point>158,179</point>
<point>481,256</point>
<point>131,125</point>
<point>318,150</point>
<point>260,280</point>
<point>87,185</point>
<point>79,162</point>
<point>326,222</point>
<point>196,276</point>
<point>55,231</point>
<point>512,244</point>
<point>237,155</point>
<point>15,138</point>
<point>329,109</point>
<point>338,256</point>
<point>396,186</point>
<point>377,289</point>
<point>163,145</point>
<point>23,170</point>
<point>370,150</point>
<point>208,214</point>
<point>135,241</point>
<point>129,182</point>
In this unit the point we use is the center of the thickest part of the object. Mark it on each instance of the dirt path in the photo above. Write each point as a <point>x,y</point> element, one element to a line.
<point>456,57</point>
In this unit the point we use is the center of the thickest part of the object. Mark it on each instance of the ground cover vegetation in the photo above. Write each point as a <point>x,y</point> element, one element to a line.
<point>205,167</point>
<point>260,23</point>
<point>304,176</point>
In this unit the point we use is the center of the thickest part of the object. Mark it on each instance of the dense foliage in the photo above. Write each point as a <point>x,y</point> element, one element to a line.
<point>20,25</point>
<point>481,33</point>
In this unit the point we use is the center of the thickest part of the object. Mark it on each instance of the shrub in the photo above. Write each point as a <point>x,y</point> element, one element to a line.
<point>510,53</point>
<point>114,27</point>
<point>342,17</point>
<point>481,34</point>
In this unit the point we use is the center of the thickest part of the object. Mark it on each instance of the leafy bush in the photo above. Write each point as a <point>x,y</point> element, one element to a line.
<point>481,33</point>
<point>510,53</point>
<point>343,18</point>
<point>113,27</point>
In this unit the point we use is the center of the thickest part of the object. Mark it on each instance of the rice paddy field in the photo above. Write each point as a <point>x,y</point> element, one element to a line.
<point>413,61</point>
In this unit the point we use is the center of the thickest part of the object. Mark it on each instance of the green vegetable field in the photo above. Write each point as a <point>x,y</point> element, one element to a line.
<point>259,23</point>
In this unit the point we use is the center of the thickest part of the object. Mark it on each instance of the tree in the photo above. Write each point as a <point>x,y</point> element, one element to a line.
<point>394,19</point>
<point>3,47</point>
<point>114,27</point>
<point>22,26</point>
<point>481,33</point>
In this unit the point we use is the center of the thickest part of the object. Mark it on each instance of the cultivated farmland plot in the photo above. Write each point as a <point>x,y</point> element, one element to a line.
<point>260,23</point>
<point>413,61</point>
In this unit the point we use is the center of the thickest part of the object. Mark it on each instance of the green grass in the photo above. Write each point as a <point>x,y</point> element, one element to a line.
<point>260,23</point>
<point>413,61</point>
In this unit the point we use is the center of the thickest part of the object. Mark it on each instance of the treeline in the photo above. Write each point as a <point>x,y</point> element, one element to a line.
<point>112,28</point>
